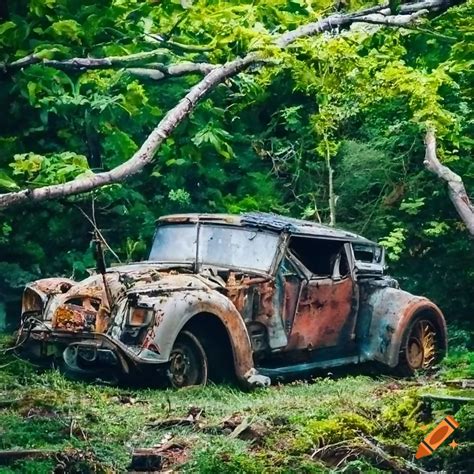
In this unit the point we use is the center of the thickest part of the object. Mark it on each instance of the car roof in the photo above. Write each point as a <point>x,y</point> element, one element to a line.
<point>269,221</point>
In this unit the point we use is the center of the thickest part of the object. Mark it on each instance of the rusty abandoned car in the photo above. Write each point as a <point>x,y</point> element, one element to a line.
<point>256,296</point>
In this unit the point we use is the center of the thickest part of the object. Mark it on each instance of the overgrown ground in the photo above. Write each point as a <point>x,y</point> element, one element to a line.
<point>348,423</point>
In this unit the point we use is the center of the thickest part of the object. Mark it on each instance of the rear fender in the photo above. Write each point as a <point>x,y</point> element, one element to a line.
<point>385,314</point>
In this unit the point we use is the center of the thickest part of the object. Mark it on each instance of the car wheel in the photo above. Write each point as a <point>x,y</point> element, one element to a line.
<point>420,348</point>
<point>188,362</point>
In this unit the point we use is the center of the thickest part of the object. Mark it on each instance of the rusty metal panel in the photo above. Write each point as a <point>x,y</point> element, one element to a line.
<point>74,318</point>
<point>385,313</point>
<point>324,317</point>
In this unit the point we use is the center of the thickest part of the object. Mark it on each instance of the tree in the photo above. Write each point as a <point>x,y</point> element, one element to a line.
<point>457,191</point>
<point>214,75</point>
<point>357,99</point>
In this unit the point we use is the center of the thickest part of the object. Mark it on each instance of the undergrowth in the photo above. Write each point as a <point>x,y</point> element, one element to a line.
<point>320,425</point>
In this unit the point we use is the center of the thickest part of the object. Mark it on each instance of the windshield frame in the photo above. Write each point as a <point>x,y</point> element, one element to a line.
<point>197,262</point>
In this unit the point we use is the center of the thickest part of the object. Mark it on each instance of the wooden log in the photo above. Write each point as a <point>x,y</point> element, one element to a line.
<point>447,398</point>
<point>145,460</point>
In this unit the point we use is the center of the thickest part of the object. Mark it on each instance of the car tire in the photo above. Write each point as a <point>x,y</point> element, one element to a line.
<point>188,362</point>
<point>420,349</point>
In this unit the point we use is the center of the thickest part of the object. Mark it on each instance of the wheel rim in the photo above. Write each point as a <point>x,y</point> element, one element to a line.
<point>188,362</point>
<point>421,346</point>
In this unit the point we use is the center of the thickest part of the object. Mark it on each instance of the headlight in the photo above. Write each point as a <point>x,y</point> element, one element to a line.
<point>140,316</point>
<point>31,302</point>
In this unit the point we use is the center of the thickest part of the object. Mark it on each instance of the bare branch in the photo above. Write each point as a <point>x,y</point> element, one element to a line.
<point>391,20</point>
<point>161,71</point>
<point>80,64</point>
<point>337,20</point>
<point>456,189</point>
<point>177,114</point>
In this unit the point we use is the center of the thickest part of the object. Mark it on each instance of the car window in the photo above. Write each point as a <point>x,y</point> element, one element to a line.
<point>323,258</point>
<point>219,245</point>
<point>368,253</point>
<point>237,247</point>
<point>174,243</point>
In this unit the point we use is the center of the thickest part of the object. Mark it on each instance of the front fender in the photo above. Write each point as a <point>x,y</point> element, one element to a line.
<point>174,310</point>
<point>36,293</point>
<point>384,316</point>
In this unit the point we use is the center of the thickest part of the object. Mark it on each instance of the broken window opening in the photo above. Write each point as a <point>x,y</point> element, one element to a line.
<point>323,258</point>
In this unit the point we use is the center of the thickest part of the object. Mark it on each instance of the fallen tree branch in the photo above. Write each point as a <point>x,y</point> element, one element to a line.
<point>155,71</point>
<point>457,191</point>
<point>391,20</point>
<point>146,152</point>
<point>177,114</point>
<point>394,463</point>
<point>407,13</point>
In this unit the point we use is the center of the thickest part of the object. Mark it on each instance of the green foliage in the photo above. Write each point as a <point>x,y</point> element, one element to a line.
<point>459,363</point>
<point>394,243</point>
<point>322,432</point>
<point>93,428</point>
<point>359,102</point>
<point>225,456</point>
<point>41,170</point>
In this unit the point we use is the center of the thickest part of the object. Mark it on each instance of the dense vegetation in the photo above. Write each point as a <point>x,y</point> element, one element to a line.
<point>355,102</point>
<point>312,426</point>
<point>330,129</point>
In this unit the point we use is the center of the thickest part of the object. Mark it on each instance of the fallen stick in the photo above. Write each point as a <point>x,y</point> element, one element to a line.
<point>396,464</point>
<point>447,398</point>
<point>172,422</point>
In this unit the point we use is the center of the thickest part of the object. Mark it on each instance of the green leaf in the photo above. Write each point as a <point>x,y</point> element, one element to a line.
<point>67,29</point>
<point>7,183</point>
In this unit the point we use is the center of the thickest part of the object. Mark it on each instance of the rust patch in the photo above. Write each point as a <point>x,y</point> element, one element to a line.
<point>324,317</point>
<point>72,317</point>
<point>252,296</point>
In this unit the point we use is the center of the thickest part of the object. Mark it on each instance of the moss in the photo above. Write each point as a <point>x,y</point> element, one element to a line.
<point>225,455</point>
<point>29,466</point>
<point>317,432</point>
<point>399,416</point>
<point>458,365</point>
<point>103,424</point>
<point>33,432</point>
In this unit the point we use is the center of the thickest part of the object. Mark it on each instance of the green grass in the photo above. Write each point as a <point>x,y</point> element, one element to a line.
<point>313,426</point>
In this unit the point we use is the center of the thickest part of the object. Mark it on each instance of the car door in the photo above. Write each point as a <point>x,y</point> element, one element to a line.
<point>325,314</point>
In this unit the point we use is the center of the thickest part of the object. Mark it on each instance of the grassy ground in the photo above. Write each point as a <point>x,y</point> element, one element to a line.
<point>348,423</point>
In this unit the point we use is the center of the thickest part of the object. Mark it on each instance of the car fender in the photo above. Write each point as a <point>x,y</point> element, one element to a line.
<point>385,314</point>
<point>174,310</point>
<point>36,293</point>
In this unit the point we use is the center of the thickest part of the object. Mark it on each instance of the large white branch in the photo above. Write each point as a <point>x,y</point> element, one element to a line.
<point>456,189</point>
<point>184,107</point>
<point>146,152</point>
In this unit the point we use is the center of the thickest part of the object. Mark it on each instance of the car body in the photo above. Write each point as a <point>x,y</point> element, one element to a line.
<point>256,296</point>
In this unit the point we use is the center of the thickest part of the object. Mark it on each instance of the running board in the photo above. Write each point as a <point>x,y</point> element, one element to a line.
<point>307,366</point>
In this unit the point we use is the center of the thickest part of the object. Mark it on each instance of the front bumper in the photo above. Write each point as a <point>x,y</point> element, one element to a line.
<point>90,354</point>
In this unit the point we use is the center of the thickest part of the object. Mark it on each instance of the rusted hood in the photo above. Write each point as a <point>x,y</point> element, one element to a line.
<point>123,280</point>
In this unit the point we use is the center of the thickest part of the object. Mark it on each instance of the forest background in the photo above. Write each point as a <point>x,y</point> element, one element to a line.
<point>331,130</point>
